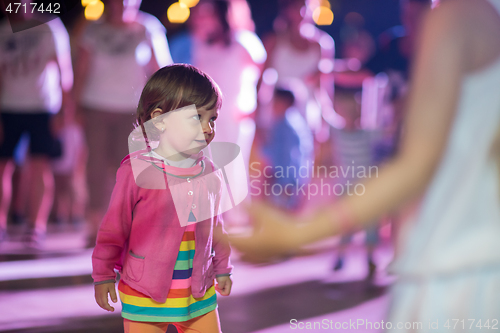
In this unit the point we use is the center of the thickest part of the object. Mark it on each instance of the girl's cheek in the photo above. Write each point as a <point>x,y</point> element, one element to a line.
<point>197,130</point>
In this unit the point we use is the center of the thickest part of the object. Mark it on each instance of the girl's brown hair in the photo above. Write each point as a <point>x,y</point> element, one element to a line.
<point>174,87</point>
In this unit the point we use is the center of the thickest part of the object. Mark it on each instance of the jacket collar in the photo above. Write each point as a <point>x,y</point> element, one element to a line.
<point>140,154</point>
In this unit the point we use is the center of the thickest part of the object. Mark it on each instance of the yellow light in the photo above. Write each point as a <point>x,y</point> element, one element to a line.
<point>189,3</point>
<point>326,3</point>
<point>313,4</point>
<point>85,3</point>
<point>323,16</point>
<point>178,12</point>
<point>94,10</point>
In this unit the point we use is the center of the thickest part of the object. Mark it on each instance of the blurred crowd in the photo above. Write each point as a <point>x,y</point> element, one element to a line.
<point>68,103</point>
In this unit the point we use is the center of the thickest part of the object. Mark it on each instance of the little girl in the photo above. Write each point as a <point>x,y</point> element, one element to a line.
<point>162,230</point>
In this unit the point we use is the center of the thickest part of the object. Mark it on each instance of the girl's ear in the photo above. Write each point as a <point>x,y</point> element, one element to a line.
<point>156,112</point>
<point>157,119</point>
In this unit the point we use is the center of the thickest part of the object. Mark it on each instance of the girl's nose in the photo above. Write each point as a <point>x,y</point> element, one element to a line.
<point>207,128</point>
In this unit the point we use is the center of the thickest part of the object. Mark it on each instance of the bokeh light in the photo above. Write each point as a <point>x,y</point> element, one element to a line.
<point>85,3</point>
<point>323,15</point>
<point>270,76</point>
<point>189,3</point>
<point>94,10</point>
<point>307,30</point>
<point>354,19</point>
<point>178,12</point>
<point>325,66</point>
<point>313,4</point>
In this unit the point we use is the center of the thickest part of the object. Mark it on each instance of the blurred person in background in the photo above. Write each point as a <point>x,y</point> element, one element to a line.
<point>397,45</point>
<point>387,67</point>
<point>36,76</point>
<point>394,53</point>
<point>393,60</point>
<point>352,149</point>
<point>298,50</point>
<point>289,147</point>
<point>446,173</point>
<point>70,195</point>
<point>356,42</point>
<point>231,53</point>
<point>70,169</point>
<point>351,142</point>
<point>394,56</point>
<point>116,56</point>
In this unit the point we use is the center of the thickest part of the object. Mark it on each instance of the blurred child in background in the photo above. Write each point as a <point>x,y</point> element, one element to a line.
<point>289,146</point>
<point>353,155</point>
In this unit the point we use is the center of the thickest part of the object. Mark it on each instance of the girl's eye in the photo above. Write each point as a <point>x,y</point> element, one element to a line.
<point>213,119</point>
<point>196,117</point>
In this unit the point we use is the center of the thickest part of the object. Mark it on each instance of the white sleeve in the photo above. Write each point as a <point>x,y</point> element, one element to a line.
<point>158,38</point>
<point>252,43</point>
<point>63,52</point>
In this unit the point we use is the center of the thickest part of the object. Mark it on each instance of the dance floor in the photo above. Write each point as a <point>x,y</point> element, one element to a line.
<point>51,290</point>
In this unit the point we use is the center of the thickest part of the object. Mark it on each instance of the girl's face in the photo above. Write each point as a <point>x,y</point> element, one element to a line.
<point>185,131</point>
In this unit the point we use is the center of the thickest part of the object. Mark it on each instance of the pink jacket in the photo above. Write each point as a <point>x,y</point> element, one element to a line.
<point>141,232</point>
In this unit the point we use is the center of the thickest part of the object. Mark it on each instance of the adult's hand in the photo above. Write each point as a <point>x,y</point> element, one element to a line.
<point>275,234</point>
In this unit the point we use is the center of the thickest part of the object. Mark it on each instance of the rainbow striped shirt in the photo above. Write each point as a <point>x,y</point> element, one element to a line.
<point>180,304</point>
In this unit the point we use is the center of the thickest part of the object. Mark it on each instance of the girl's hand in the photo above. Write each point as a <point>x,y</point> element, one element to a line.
<point>101,295</point>
<point>224,284</point>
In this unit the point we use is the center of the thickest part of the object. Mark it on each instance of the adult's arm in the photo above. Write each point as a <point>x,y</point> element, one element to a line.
<point>269,42</point>
<point>441,62</point>
<point>83,64</point>
<point>324,77</point>
<point>63,59</point>
<point>439,68</point>
<point>160,52</point>
<point>63,53</point>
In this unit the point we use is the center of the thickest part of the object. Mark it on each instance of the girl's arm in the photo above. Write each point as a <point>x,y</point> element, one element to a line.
<point>115,227</point>
<point>435,89</point>
<point>221,261</point>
